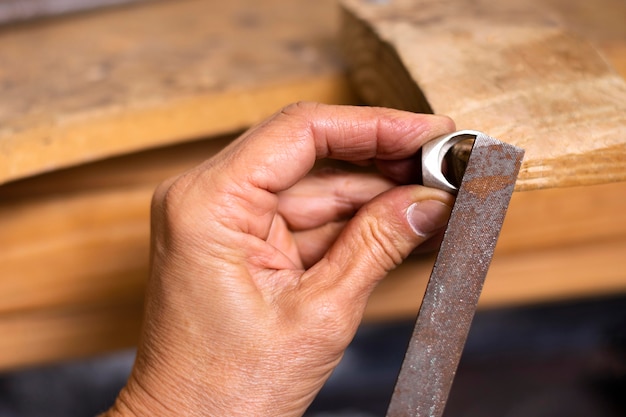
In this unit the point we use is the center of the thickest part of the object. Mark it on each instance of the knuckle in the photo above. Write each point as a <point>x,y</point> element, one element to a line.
<point>159,196</point>
<point>169,200</point>
<point>299,108</point>
<point>382,242</point>
<point>331,319</point>
<point>301,116</point>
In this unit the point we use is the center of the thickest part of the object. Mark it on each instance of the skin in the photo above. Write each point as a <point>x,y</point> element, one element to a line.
<point>260,271</point>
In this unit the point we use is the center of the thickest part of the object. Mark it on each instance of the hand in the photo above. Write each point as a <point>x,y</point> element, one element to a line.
<point>260,273</point>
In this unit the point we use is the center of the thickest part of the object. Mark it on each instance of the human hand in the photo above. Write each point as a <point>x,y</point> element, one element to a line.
<point>260,274</point>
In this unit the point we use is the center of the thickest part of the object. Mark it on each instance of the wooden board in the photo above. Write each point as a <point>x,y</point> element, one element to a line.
<point>556,244</point>
<point>71,246</point>
<point>84,87</point>
<point>511,68</point>
<point>81,236</point>
<point>36,337</point>
<point>75,252</point>
<point>74,242</point>
<point>89,234</point>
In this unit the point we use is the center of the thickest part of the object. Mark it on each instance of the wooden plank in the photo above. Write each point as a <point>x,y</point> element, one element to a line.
<point>47,335</point>
<point>78,237</point>
<point>170,71</point>
<point>73,246</point>
<point>81,235</point>
<point>75,250</point>
<point>47,319</point>
<point>38,337</point>
<point>74,253</point>
<point>560,273</point>
<point>563,217</point>
<point>508,68</point>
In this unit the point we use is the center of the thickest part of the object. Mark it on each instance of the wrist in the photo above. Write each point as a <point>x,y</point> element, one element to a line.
<point>123,406</point>
<point>141,397</point>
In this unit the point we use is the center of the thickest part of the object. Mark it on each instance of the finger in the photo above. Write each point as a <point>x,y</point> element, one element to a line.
<point>328,195</point>
<point>281,151</point>
<point>278,153</point>
<point>380,236</point>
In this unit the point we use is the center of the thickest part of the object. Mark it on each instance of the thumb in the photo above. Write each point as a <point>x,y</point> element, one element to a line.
<point>383,233</point>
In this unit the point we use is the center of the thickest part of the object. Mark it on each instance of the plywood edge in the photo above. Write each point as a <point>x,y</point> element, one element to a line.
<point>62,332</point>
<point>514,279</point>
<point>562,102</point>
<point>92,243</point>
<point>117,131</point>
<point>46,336</point>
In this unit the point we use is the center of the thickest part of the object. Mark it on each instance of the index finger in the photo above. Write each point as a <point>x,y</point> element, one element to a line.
<point>276,154</point>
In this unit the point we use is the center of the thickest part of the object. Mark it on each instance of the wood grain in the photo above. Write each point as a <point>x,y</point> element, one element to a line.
<point>593,269</point>
<point>77,236</point>
<point>74,242</point>
<point>511,69</point>
<point>45,336</point>
<point>75,253</point>
<point>168,72</point>
<point>81,236</point>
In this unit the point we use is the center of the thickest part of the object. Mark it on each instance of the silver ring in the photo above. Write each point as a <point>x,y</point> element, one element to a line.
<point>433,154</point>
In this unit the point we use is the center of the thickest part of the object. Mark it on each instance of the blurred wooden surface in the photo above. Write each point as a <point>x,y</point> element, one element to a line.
<point>74,242</point>
<point>556,244</point>
<point>513,68</point>
<point>88,86</point>
<point>75,251</point>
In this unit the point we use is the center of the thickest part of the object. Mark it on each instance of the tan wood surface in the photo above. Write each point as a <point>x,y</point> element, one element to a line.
<point>38,336</point>
<point>76,249</point>
<point>74,242</point>
<point>83,87</point>
<point>515,69</point>
<point>87,242</point>
<point>78,237</point>
<point>556,244</point>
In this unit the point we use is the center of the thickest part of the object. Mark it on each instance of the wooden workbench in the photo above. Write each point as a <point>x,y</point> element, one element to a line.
<point>530,73</point>
<point>114,101</point>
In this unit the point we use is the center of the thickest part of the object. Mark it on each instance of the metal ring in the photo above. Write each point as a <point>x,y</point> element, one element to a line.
<point>433,153</point>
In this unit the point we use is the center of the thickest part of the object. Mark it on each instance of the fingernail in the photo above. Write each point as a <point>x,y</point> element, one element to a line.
<point>426,217</point>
